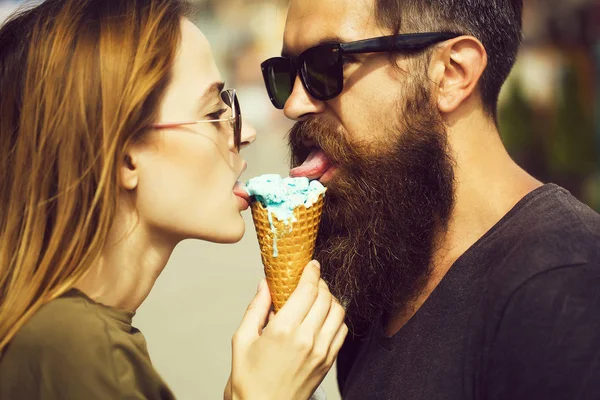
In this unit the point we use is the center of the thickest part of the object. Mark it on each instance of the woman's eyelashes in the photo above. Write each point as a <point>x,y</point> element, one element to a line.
<point>217,114</point>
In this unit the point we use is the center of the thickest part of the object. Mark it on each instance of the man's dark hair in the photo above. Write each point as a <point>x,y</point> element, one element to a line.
<point>496,23</point>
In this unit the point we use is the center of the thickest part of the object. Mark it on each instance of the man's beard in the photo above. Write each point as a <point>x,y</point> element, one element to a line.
<point>384,208</point>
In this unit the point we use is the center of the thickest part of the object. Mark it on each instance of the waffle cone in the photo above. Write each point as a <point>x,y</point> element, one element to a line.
<point>295,247</point>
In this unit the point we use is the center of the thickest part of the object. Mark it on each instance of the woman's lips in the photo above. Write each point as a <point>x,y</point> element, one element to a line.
<point>316,166</point>
<point>240,191</point>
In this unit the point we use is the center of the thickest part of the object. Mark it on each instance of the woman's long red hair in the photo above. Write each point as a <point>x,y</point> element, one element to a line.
<point>79,81</point>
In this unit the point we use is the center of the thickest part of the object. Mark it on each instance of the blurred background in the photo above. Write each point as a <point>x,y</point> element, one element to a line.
<point>549,119</point>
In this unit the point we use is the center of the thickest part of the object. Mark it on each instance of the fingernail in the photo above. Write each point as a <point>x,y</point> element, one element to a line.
<point>316,264</point>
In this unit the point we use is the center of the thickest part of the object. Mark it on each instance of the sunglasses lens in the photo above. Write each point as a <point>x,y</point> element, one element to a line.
<point>322,70</point>
<point>278,76</point>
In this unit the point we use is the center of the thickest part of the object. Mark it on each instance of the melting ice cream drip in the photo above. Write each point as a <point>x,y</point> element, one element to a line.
<point>280,196</point>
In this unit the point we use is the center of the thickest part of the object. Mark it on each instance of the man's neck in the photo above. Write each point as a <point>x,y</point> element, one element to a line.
<point>488,184</point>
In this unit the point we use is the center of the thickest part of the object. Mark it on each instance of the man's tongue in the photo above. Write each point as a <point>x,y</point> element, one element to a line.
<point>314,167</point>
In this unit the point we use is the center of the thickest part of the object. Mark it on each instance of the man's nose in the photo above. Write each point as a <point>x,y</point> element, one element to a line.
<point>301,104</point>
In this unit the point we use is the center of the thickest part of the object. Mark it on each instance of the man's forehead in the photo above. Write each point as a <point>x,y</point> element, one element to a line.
<point>312,22</point>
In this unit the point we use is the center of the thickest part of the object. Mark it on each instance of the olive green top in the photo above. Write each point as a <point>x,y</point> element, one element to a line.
<point>76,349</point>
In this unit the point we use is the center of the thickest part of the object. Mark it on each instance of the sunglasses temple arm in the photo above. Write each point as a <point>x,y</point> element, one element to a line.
<point>368,45</point>
<point>415,41</point>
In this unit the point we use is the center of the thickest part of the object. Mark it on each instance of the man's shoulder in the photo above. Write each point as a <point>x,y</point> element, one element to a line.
<point>560,213</point>
<point>553,209</point>
<point>542,306</point>
<point>547,230</point>
<point>550,239</point>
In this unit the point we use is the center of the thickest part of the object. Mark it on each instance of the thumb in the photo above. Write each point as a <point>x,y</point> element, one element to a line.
<point>256,314</point>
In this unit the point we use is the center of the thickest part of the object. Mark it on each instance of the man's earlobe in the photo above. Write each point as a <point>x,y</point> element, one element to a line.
<point>463,59</point>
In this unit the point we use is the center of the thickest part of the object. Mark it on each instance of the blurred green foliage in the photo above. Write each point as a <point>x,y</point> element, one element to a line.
<point>559,143</point>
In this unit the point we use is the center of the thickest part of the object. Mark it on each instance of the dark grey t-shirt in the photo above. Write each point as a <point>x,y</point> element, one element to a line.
<point>516,317</point>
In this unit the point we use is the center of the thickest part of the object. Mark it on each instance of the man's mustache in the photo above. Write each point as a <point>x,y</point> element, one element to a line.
<point>320,133</point>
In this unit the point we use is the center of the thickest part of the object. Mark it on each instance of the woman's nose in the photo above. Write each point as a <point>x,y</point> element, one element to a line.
<point>248,135</point>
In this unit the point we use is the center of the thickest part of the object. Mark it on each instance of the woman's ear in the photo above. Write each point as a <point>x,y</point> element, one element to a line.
<point>128,172</point>
<point>457,69</point>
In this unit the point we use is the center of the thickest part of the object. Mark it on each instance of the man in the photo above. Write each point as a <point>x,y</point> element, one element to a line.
<point>463,276</point>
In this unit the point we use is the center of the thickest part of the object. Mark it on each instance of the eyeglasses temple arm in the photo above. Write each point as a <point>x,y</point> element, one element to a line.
<point>175,124</point>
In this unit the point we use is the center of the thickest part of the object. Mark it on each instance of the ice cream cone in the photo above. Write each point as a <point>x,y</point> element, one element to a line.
<point>286,251</point>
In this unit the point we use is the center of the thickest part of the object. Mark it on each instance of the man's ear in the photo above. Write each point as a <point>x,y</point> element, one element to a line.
<point>457,68</point>
<point>128,172</point>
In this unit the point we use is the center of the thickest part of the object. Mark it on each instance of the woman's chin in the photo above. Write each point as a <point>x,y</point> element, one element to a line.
<point>225,234</point>
<point>229,239</point>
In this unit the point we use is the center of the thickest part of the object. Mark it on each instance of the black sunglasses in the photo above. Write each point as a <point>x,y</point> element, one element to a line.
<point>321,68</point>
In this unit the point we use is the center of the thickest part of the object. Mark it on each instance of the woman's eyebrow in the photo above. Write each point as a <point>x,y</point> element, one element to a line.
<point>209,94</point>
<point>214,87</point>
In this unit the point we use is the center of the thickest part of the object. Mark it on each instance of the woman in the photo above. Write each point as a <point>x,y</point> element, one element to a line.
<point>116,143</point>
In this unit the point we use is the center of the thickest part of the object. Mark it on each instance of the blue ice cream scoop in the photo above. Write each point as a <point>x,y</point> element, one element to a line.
<point>282,195</point>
